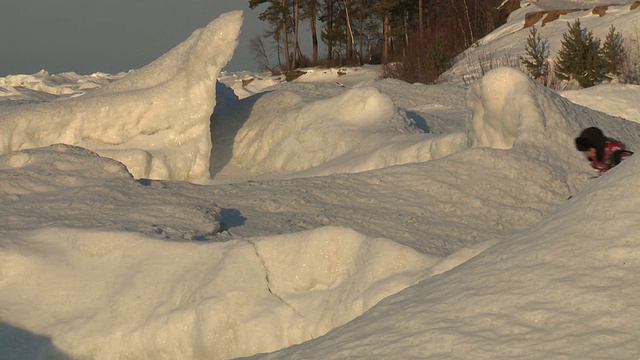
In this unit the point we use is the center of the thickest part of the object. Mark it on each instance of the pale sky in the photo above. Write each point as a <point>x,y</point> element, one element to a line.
<point>86,36</point>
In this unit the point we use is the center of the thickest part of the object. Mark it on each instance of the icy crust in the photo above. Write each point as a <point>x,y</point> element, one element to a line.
<point>155,120</point>
<point>74,187</point>
<point>229,299</point>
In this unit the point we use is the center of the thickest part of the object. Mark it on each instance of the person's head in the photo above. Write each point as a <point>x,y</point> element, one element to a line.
<point>592,143</point>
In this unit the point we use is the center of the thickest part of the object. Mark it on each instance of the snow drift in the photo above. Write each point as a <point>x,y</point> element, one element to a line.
<point>80,229</point>
<point>228,299</point>
<point>565,288</point>
<point>508,109</point>
<point>77,188</point>
<point>299,132</point>
<point>550,288</point>
<point>155,120</point>
<point>473,223</point>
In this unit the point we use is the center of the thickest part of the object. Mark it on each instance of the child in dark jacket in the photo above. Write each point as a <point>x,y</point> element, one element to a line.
<point>604,153</point>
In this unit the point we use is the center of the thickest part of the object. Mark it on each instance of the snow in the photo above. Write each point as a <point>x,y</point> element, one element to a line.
<point>154,120</point>
<point>504,45</point>
<point>337,216</point>
<point>614,102</point>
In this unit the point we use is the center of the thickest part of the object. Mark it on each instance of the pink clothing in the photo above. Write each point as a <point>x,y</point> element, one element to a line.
<point>608,161</point>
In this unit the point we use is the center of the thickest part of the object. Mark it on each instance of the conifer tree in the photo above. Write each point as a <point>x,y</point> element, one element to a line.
<point>277,14</point>
<point>580,57</point>
<point>613,53</point>
<point>537,51</point>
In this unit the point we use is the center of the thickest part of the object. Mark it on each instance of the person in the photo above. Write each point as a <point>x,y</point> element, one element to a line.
<point>603,152</point>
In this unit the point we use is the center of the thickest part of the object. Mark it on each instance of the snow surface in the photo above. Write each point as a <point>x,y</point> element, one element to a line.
<point>154,120</point>
<point>354,216</point>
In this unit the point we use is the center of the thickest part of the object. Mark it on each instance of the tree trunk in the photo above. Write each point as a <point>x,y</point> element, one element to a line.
<point>369,47</point>
<point>330,27</point>
<point>296,45</point>
<point>285,37</point>
<point>347,3</point>
<point>466,13</point>
<point>385,39</point>
<point>421,18</point>
<point>314,33</point>
<point>405,20</point>
<point>361,35</point>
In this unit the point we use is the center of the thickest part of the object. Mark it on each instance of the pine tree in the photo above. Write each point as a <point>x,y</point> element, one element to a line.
<point>613,54</point>
<point>537,50</point>
<point>580,57</point>
<point>593,73</point>
<point>277,15</point>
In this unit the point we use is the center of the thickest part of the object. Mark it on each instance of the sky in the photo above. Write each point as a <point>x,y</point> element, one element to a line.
<point>87,36</point>
<point>335,216</point>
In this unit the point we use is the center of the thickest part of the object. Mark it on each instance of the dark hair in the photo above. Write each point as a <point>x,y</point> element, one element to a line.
<point>583,144</point>
<point>592,138</point>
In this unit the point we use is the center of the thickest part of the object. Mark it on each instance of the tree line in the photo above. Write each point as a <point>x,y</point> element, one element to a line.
<point>419,36</point>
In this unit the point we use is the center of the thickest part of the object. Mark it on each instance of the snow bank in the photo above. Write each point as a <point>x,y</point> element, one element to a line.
<point>615,103</point>
<point>565,285</point>
<point>63,185</point>
<point>507,108</point>
<point>144,298</point>
<point>564,288</point>
<point>295,132</point>
<point>155,120</point>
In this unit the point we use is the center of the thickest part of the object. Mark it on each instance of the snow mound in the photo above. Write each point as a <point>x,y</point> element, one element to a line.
<point>287,289</point>
<point>74,187</point>
<point>492,123</point>
<point>563,286</point>
<point>155,120</point>
<point>507,108</point>
<point>55,167</point>
<point>299,134</point>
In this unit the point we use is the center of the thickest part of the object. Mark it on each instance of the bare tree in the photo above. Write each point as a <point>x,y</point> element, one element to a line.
<point>278,15</point>
<point>349,29</point>
<point>259,52</point>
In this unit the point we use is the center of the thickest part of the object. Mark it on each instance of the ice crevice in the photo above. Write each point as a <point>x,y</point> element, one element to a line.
<point>267,282</point>
<point>328,276</point>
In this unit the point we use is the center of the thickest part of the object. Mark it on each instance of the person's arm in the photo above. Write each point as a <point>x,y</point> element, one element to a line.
<point>619,155</point>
